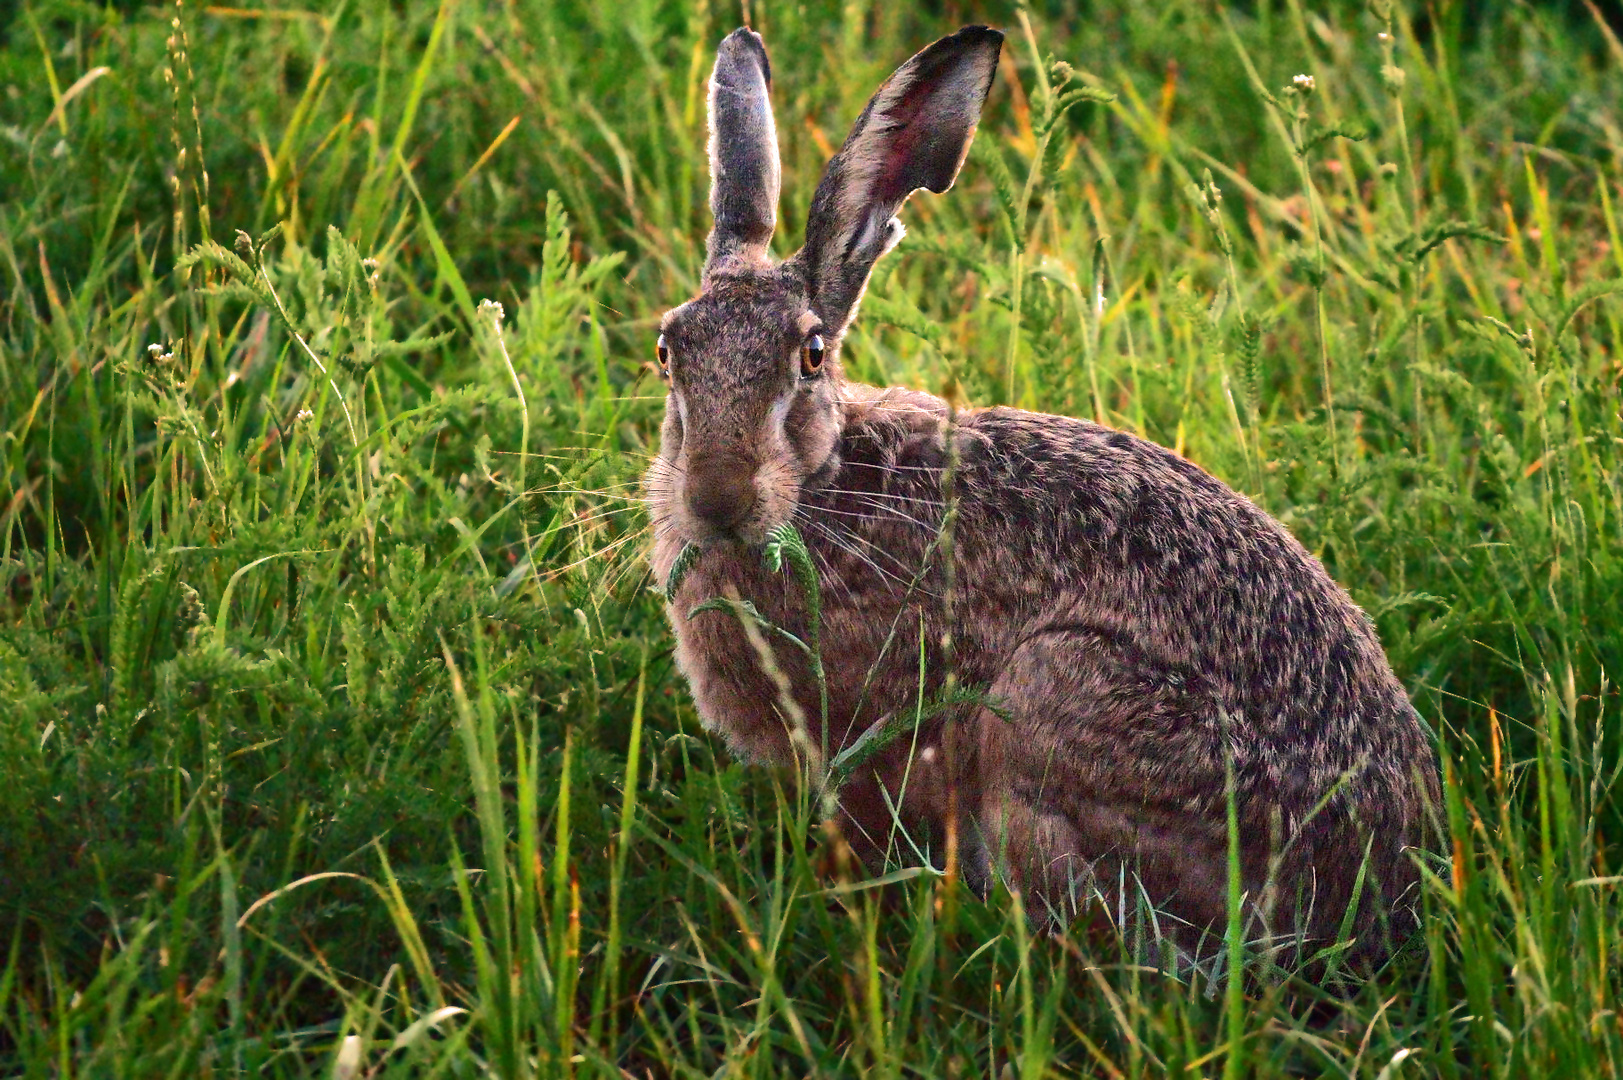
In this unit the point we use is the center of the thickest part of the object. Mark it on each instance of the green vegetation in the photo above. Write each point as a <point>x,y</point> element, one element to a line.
<point>339,732</point>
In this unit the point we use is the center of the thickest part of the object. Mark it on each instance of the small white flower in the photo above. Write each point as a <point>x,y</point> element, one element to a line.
<point>492,309</point>
<point>1304,83</point>
<point>347,1063</point>
<point>304,416</point>
<point>1383,37</point>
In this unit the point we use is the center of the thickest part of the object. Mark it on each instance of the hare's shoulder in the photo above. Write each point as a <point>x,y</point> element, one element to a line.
<point>1036,467</point>
<point>1018,465</point>
<point>1074,490</point>
<point>1077,468</point>
<point>1033,443</point>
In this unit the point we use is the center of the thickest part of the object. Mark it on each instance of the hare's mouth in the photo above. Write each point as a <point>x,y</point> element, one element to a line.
<point>738,537</point>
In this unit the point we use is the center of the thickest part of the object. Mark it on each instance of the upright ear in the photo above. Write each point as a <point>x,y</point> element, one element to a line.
<point>913,134</point>
<point>744,177</point>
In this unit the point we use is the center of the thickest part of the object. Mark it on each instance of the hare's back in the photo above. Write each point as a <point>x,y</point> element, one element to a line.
<point>1094,527</point>
<point>1095,495</point>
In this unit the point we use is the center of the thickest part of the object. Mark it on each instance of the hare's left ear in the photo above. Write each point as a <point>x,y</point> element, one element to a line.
<point>744,177</point>
<point>913,134</point>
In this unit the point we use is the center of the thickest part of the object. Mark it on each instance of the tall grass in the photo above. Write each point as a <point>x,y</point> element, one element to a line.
<point>340,730</point>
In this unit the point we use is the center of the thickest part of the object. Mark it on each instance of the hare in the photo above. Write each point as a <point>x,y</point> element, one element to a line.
<point>1141,644</point>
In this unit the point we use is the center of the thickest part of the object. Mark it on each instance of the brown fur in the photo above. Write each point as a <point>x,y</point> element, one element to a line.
<point>1135,624</point>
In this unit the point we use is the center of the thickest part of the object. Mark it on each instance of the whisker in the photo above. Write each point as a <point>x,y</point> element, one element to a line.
<point>666,464</point>
<point>827,574</point>
<point>571,453</point>
<point>872,517</point>
<point>893,467</point>
<point>828,534</point>
<point>586,493</point>
<point>628,566</point>
<point>604,515</point>
<point>596,554</point>
<point>896,496</point>
<point>880,513</point>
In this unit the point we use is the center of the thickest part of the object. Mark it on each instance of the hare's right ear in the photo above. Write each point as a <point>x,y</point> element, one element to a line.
<point>913,134</point>
<point>744,175</point>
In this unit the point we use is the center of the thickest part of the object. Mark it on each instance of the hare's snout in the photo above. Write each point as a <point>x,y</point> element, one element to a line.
<point>719,495</point>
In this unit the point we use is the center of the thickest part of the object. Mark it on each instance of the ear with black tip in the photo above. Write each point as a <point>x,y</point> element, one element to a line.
<point>744,177</point>
<point>913,134</point>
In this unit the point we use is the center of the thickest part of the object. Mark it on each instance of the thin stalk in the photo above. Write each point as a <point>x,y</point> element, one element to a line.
<point>608,987</point>
<point>1234,931</point>
<point>1394,79</point>
<point>1011,356</point>
<point>565,924</point>
<point>1299,139</point>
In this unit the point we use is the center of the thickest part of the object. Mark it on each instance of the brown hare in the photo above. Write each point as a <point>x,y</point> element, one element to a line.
<point>1142,639</point>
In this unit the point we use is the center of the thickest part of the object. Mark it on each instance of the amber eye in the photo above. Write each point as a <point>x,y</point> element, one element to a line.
<point>811,356</point>
<point>663,351</point>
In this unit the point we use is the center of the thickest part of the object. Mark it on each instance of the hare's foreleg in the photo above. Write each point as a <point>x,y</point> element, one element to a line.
<point>1094,796</point>
<point>913,800</point>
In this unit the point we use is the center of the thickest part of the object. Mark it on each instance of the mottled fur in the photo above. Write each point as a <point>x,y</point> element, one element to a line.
<point>1134,622</point>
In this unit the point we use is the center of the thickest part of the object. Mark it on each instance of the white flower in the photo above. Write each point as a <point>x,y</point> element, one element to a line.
<point>492,309</point>
<point>1303,83</point>
<point>304,416</point>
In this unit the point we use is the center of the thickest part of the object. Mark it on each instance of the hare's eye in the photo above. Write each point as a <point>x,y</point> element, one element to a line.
<point>811,356</point>
<point>663,351</point>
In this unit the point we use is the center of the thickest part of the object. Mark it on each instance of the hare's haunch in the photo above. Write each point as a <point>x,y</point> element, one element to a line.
<point>1140,640</point>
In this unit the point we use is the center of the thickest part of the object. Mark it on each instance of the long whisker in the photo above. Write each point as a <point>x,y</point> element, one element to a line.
<point>893,467</point>
<point>880,513</point>
<point>827,574</point>
<point>596,554</point>
<point>619,485</point>
<point>666,465</point>
<point>572,453</point>
<point>917,500</point>
<point>912,573</point>
<point>836,539</point>
<point>604,515</point>
<point>821,531</point>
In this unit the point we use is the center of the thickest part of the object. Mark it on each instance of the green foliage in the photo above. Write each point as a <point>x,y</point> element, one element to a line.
<point>341,735</point>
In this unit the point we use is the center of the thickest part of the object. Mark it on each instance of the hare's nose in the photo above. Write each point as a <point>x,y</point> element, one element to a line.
<point>721,491</point>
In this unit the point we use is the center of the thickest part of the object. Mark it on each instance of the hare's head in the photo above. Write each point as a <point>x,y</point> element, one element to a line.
<point>753,361</point>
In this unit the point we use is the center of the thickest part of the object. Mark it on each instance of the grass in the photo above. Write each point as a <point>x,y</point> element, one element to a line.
<point>341,734</point>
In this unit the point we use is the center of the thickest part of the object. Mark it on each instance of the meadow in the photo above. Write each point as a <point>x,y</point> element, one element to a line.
<point>339,730</point>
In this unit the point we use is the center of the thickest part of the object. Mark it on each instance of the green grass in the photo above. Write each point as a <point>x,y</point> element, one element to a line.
<point>339,733</point>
